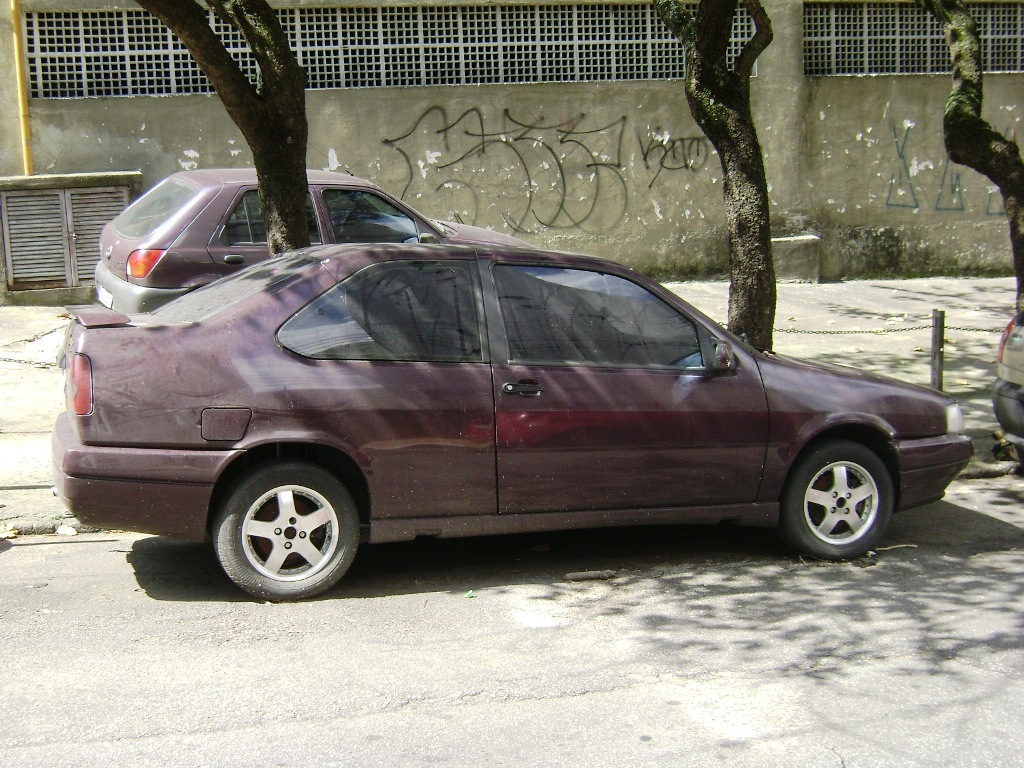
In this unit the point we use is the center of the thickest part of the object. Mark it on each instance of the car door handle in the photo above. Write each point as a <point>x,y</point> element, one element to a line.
<point>234,258</point>
<point>526,388</point>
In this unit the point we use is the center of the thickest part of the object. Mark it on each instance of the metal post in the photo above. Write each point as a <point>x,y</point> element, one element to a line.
<point>938,347</point>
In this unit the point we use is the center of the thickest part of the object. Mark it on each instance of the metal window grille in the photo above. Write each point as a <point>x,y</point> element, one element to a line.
<point>903,39</point>
<point>81,54</point>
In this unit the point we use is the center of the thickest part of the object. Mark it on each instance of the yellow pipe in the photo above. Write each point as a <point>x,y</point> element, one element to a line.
<point>19,68</point>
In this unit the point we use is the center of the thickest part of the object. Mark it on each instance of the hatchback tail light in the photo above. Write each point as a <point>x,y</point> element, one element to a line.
<point>1006,335</point>
<point>78,386</point>
<point>141,263</point>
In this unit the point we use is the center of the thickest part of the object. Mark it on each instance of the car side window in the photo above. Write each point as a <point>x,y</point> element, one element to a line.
<point>554,315</point>
<point>358,216</point>
<point>413,311</point>
<point>245,225</point>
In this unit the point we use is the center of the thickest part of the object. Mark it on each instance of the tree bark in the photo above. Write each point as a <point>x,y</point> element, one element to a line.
<point>970,140</point>
<point>719,99</point>
<point>271,113</point>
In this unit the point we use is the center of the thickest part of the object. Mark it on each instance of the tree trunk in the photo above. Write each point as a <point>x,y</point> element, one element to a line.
<point>271,114</point>
<point>969,139</point>
<point>719,99</point>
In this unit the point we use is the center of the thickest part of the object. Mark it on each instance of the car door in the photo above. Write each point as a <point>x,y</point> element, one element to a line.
<point>403,384</point>
<point>241,238</point>
<point>603,400</point>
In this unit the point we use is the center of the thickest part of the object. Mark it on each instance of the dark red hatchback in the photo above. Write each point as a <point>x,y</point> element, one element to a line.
<point>195,227</point>
<point>350,394</point>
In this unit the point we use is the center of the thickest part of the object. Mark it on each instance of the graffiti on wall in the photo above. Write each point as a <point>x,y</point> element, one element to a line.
<point>901,185</point>
<point>951,191</point>
<point>663,153</point>
<point>534,172</point>
<point>950,197</point>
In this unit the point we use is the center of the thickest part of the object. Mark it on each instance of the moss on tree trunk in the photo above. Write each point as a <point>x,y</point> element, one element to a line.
<point>969,139</point>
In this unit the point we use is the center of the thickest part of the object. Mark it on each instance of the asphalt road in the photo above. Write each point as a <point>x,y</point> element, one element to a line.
<point>707,646</point>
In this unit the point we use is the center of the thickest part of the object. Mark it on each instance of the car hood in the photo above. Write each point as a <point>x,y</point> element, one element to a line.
<point>838,393</point>
<point>466,233</point>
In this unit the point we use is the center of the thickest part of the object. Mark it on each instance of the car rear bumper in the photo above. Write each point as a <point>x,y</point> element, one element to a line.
<point>1008,403</point>
<point>159,491</point>
<point>928,465</point>
<point>130,298</point>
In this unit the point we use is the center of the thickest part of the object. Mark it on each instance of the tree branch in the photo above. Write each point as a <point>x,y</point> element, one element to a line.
<point>262,29</point>
<point>677,18</point>
<point>755,46</point>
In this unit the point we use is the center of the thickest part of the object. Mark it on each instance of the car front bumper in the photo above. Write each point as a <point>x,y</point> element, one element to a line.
<point>159,491</point>
<point>113,292</point>
<point>928,465</point>
<point>1008,403</point>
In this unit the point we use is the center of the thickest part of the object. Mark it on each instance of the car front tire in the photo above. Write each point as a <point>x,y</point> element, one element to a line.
<point>837,501</point>
<point>286,531</point>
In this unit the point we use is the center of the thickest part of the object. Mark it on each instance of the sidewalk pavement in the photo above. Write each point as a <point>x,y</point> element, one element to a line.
<point>882,326</point>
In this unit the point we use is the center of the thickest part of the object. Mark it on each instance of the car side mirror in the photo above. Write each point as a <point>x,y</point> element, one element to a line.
<point>429,237</point>
<point>723,359</point>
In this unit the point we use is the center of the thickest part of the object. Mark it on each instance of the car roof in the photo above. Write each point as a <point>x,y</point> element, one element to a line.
<point>215,177</point>
<point>343,260</point>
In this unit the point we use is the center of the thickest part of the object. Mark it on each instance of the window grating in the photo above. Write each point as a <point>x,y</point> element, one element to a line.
<point>903,39</point>
<point>79,54</point>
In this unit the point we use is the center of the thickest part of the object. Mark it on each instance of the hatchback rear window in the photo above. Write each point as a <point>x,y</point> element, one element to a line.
<point>150,211</point>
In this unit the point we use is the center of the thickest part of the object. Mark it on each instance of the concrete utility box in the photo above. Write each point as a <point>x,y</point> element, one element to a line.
<point>50,232</point>
<point>798,257</point>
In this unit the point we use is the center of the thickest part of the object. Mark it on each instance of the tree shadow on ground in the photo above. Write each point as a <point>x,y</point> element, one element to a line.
<point>168,569</point>
<point>172,570</point>
<point>946,585</point>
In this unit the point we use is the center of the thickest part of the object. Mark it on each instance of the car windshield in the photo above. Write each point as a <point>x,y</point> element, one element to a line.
<point>155,207</point>
<point>228,291</point>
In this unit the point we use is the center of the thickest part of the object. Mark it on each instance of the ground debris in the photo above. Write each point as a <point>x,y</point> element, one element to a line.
<point>590,575</point>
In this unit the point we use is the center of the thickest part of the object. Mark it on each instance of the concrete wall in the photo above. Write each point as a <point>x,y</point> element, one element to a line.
<point>614,169</point>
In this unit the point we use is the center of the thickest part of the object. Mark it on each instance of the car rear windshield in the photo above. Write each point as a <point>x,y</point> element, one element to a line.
<point>154,208</point>
<point>228,291</point>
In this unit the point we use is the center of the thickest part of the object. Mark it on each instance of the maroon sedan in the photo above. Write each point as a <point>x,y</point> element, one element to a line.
<point>349,394</point>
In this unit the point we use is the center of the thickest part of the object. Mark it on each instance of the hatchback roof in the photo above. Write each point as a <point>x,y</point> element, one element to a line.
<point>213,177</point>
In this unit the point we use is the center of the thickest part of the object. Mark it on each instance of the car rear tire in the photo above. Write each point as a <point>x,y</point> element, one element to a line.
<point>837,501</point>
<point>286,531</point>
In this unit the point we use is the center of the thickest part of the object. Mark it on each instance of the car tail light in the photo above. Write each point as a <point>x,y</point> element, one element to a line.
<point>78,387</point>
<point>1005,337</point>
<point>141,263</point>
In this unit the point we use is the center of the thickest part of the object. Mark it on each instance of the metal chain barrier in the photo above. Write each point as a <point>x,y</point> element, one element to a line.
<point>879,331</point>
<point>938,328</point>
<point>30,363</point>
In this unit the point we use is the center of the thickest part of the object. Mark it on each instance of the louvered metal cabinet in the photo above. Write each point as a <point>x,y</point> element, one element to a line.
<point>51,236</point>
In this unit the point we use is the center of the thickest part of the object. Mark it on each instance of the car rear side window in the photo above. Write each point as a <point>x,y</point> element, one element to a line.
<point>410,311</point>
<point>154,208</point>
<point>555,315</point>
<point>358,216</point>
<point>245,224</point>
<point>224,293</point>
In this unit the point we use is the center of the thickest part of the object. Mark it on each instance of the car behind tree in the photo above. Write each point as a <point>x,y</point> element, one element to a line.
<point>197,226</point>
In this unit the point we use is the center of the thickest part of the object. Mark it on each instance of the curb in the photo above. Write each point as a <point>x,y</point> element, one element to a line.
<point>987,471</point>
<point>27,526</point>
